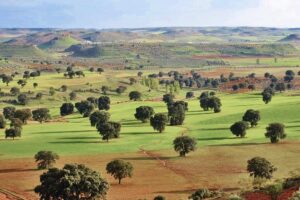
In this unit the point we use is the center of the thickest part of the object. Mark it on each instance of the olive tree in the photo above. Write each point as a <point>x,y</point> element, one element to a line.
<point>184,145</point>
<point>73,181</point>
<point>99,117</point>
<point>66,109</point>
<point>119,169</point>
<point>135,95</point>
<point>45,159</point>
<point>104,103</point>
<point>144,113</point>
<point>239,128</point>
<point>252,116</point>
<point>259,167</point>
<point>41,115</point>
<point>159,121</point>
<point>275,131</point>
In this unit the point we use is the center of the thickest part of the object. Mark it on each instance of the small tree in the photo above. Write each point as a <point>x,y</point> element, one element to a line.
<point>189,95</point>
<point>184,145</point>
<point>85,108</point>
<point>259,167</point>
<point>2,122</point>
<point>176,111</point>
<point>119,169</point>
<point>159,197</point>
<point>144,113</point>
<point>12,133</point>
<point>99,117</point>
<point>135,95</point>
<point>168,98</point>
<point>252,116</point>
<point>200,194</point>
<point>45,159</point>
<point>15,91</point>
<point>104,103</point>
<point>9,112</point>
<point>159,121</point>
<point>109,130</point>
<point>41,115</point>
<point>22,99</point>
<point>85,184</point>
<point>35,85</point>
<point>66,109</point>
<point>23,115</point>
<point>73,96</point>
<point>104,89</point>
<point>239,128</point>
<point>275,131</point>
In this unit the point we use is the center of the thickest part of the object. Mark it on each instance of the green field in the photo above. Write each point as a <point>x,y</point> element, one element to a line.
<point>77,137</point>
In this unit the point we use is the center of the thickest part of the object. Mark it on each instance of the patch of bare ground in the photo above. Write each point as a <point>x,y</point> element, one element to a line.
<point>164,172</point>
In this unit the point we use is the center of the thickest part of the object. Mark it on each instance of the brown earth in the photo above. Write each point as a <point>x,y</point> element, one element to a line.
<point>163,172</point>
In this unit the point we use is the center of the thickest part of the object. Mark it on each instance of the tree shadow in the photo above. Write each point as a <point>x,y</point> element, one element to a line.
<point>78,138</point>
<point>78,142</point>
<point>74,131</point>
<point>213,129</point>
<point>217,138</point>
<point>132,123</point>
<point>239,144</point>
<point>140,133</point>
<point>13,170</point>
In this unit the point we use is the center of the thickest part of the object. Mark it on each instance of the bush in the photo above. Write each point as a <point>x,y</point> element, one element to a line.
<point>201,194</point>
<point>274,190</point>
<point>2,122</point>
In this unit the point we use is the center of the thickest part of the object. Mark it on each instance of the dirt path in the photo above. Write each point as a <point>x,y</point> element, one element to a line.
<point>8,195</point>
<point>167,165</point>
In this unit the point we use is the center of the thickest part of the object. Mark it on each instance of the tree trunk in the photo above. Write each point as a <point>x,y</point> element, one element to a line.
<point>119,181</point>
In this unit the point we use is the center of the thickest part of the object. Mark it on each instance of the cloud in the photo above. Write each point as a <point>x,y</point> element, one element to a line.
<point>148,13</point>
<point>271,13</point>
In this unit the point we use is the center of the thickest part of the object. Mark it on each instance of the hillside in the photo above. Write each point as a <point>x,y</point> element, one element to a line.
<point>59,43</point>
<point>21,51</point>
<point>90,51</point>
<point>291,38</point>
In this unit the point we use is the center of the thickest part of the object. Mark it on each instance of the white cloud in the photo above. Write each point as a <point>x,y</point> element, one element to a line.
<point>271,13</point>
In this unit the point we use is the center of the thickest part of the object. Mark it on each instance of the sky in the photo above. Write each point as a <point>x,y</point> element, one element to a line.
<point>148,13</point>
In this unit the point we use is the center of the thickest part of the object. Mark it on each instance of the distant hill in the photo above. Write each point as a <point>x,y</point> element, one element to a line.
<point>291,38</point>
<point>21,51</point>
<point>88,51</point>
<point>62,42</point>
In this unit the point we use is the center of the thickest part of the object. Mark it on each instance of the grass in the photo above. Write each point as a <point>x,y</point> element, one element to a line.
<point>77,137</point>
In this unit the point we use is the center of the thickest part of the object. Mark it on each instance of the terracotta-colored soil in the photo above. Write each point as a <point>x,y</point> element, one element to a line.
<point>163,172</point>
<point>257,196</point>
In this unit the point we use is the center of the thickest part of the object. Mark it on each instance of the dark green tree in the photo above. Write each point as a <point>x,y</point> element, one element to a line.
<point>135,95</point>
<point>45,159</point>
<point>2,122</point>
<point>99,117</point>
<point>23,115</point>
<point>275,131</point>
<point>119,169</point>
<point>184,145</point>
<point>73,182</point>
<point>12,133</point>
<point>109,130</point>
<point>239,128</point>
<point>41,114</point>
<point>259,167</point>
<point>66,109</point>
<point>252,116</point>
<point>104,103</point>
<point>23,99</point>
<point>159,121</point>
<point>144,113</point>
<point>9,112</point>
<point>85,108</point>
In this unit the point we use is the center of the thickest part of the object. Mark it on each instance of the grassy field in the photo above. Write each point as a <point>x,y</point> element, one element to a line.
<point>219,154</point>
<point>74,132</point>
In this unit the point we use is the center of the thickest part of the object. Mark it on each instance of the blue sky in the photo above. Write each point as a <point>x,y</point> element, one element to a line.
<point>148,13</point>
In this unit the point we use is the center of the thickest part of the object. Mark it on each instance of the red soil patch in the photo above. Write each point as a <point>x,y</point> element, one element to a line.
<point>257,196</point>
<point>163,172</point>
<point>287,193</point>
